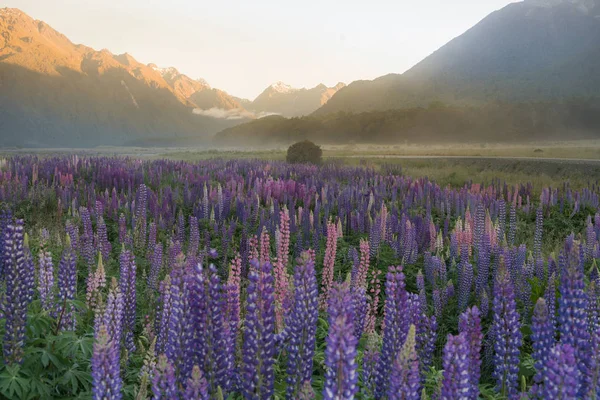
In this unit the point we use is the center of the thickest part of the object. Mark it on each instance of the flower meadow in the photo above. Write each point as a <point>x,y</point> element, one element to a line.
<point>122,278</point>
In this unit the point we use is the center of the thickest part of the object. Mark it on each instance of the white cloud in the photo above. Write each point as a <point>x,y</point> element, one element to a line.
<point>233,114</point>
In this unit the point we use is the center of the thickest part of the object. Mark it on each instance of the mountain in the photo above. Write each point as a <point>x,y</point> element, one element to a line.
<point>197,91</point>
<point>503,122</point>
<point>56,93</point>
<point>536,50</point>
<point>285,100</point>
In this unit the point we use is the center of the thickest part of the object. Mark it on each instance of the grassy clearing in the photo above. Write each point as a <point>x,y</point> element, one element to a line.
<point>455,172</point>
<point>588,149</point>
<point>500,163</point>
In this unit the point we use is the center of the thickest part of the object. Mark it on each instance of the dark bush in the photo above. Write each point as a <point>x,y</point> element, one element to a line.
<point>304,152</point>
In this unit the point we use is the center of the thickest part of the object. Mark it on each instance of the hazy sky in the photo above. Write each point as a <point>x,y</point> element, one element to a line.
<point>244,46</point>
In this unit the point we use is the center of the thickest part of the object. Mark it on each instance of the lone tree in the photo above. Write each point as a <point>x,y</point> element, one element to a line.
<point>304,152</point>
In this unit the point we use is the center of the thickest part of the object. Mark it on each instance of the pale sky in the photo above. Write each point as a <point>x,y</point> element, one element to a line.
<point>244,46</point>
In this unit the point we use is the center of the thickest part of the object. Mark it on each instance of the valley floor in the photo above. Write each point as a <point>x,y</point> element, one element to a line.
<point>541,163</point>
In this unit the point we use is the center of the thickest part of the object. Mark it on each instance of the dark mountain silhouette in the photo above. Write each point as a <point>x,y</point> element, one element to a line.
<point>537,50</point>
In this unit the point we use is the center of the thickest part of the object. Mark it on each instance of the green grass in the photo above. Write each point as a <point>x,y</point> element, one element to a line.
<point>500,163</point>
<point>455,172</point>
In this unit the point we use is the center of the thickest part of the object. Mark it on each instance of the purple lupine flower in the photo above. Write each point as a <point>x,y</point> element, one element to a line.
<point>194,237</point>
<point>99,209</point>
<point>512,225</point>
<point>114,311</point>
<point>550,297</point>
<point>258,351</point>
<point>542,334</point>
<point>453,246</point>
<point>404,378</point>
<point>590,239</point>
<point>483,264</point>
<point>484,303</point>
<point>173,253</point>
<point>375,237</point>
<point>163,313</point>
<point>173,324</point>
<point>572,311</point>
<point>27,272</point>
<point>302,327</point>
<point>457,381</point>
<point>360,304</point>
<point>479,225</point>
<point>127,283</point>
<point>46,279</point>
<point>196,388</point>
<point>139,229</point>
<point>219,201</point>
<point>537,236</point>
<point>211,348</point>
<point>212,253</point>
<point>155,265</point>
<point>106,377</point>
<point>465,284</point>
<point>88,251</point>
<point>5,220</point>
<point>180,231</point>
<point>469,323</point>
<point>426,336</point>
<point>524,287</point>
<point>67,287</point>
<point>340,375</point>
<point>232,297</point>
<point>437,303</point>
<point>86,220</point>
<point>164,384</point>
<point>205,206</point>
<point>540,270</point>
<point>501,219</point>
<point>560,374</point>
<point>16,296</point>
<point>592,378</point>
<point>396,327</point>
<point>103,244</point>
<point>507,334</point>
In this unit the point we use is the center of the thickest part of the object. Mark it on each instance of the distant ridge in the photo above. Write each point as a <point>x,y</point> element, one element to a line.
<point>280,98</point>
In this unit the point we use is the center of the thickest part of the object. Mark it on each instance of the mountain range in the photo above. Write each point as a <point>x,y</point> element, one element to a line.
<point>57,93</point>
<point>287,101</point>
<point>534,66</point>
<point>540,55</point>
<point>536,50</point>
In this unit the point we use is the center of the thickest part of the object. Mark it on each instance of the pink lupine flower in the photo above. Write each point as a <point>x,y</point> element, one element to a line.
<point>328,263</point>
<point>281,275</point>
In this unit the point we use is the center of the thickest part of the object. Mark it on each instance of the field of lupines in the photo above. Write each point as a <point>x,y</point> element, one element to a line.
<point>261,280</point>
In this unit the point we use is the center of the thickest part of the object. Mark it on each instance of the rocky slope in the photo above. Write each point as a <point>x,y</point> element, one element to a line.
<point>57,93</point>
